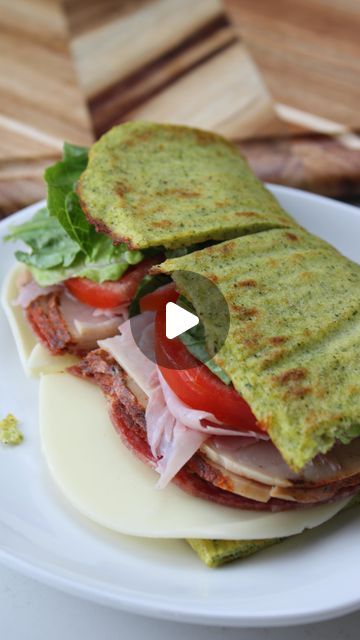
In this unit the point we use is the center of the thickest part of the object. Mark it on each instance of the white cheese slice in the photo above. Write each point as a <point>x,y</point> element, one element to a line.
<point>41,361</point>
<point>109,485</point>
<point>34,358</point>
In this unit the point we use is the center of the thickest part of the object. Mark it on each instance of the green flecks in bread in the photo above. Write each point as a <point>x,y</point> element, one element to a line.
<point>217,552</point>
<point>152,184</point>
<point>293,347</point>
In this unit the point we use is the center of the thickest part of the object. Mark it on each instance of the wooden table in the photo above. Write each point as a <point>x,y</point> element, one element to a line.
<point>279,78</point>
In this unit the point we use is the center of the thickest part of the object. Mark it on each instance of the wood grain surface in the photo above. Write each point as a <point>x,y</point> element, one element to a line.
<point>178,61</point>
<point>71,69</point>
<point>324,164</point>
<point>309,54</point>
<point>41,103</point>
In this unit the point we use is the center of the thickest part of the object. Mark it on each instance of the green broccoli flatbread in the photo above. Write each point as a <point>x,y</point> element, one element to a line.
<point>155,185</point>
<point>293,347</point>
<point>217,552</point>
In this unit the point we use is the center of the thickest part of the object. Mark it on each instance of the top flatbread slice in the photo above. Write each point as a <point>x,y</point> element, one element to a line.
<point>153,185</point>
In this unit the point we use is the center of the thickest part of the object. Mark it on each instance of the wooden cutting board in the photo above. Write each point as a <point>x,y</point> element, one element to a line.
<point>263,76</point>
<point>308,52</point>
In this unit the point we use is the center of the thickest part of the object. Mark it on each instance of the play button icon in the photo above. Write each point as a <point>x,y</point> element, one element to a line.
<point>178,320</point>
<point>188,325</point>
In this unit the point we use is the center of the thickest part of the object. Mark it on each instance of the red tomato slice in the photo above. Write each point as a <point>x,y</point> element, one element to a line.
<point>110,293</point>
<point>156,300</point>
<point>195,385</point>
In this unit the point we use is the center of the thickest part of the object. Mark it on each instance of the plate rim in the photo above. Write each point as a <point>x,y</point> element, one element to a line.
<point>125,600</point>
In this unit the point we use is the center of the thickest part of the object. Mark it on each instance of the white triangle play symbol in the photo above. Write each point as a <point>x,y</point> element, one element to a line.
<point>178,320</point>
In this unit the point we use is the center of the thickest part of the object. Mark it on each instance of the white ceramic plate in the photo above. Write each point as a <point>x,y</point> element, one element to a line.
<point>313,577</point>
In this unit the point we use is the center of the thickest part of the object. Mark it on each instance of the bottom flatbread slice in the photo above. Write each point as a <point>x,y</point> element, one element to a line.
<point>217,552</point>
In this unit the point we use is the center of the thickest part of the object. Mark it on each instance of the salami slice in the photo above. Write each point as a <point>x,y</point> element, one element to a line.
<point>46,320</point>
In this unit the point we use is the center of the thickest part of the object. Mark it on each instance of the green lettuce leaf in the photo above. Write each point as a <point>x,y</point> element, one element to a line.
<point>62,243</point>
<point>54,256</point>
<point>49,243</point>
<point>83,268</point>
<point>62,201</point>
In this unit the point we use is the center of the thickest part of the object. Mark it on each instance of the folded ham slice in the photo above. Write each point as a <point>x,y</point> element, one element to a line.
<point>88,325</point>
<point>261,462</point>
<point>62,323</point>
<point>30,290</point>
<point>175,431</point>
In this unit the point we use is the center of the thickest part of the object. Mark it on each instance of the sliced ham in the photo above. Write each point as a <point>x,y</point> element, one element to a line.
<point>175,431</point>
<point>223,479</point>
<point>30,290</point>
<point>259,461</point>
<point>262,462</point>
<point>87,325</point>
<point>171,442</point>
<point>201,420</point>
<point>62,323</point>
<point>241,485</point>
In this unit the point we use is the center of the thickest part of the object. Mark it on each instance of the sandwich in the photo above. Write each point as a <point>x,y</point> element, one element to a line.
<point>142,193</point>
<point>245,429</point>
<point>268,423</point>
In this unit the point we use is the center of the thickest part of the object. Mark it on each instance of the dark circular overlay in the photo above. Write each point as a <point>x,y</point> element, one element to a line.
<point>203,341</point>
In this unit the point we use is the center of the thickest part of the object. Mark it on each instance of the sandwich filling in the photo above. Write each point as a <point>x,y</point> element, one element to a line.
<point>278,426</point>
<point>65,324</point>
<point>206,457</point>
